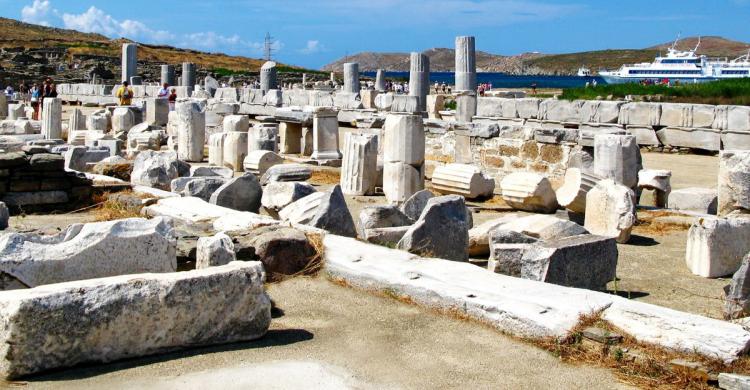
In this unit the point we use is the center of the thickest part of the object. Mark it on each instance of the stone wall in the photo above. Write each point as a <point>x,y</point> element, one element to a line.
<point>30,182</point>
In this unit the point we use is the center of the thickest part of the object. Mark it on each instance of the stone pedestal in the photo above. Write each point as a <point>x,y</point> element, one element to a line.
<point>657,180</point>
<point>403,156</point>
<point>617,157</point>
<point>466,65</point>
<point>380,81</point>
<point>263,137</point>
<point>290,138</point>
<point>167,75</point>
<point>466,106</point>
<point>234,149</point>
<point>268,80</point>
<point>419,79</point>
<point>52,118</point>
<point>326,134</point>
<point>129,61</point>
<point>216,149</point>
<point>359,164</point>
<point>351,77</point>
<point>191,131</point>
<point>188,75</point>
<point>157,111</point>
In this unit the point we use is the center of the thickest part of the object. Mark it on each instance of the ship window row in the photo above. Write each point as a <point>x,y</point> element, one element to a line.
<point>735,72</point>
<point>661,72</point>
<point>673,61</point>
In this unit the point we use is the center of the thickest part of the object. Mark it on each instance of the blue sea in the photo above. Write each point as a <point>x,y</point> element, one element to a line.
<point>502,80</point>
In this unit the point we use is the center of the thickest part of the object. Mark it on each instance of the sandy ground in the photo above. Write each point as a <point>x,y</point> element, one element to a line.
<point>329,336</point>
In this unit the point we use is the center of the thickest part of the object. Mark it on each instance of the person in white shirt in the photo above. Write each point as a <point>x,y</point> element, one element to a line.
<point>163,92</point>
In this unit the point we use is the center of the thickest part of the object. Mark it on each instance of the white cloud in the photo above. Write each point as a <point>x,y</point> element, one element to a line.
<point>95,20</point>
<point>312,47</point>
<point>36,13</point>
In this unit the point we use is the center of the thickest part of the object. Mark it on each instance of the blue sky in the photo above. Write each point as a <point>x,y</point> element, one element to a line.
<point>312,33</point>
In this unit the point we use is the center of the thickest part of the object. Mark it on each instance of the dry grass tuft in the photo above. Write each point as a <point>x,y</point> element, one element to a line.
<point>325,177</point>
<point>648,223</point>
<point>111,208</point>
<point>314,265</point>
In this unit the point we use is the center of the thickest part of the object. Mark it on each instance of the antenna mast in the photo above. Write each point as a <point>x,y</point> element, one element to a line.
<point>268,47</point>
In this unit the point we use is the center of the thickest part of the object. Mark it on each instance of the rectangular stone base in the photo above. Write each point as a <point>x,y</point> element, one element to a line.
<point>706,139</point>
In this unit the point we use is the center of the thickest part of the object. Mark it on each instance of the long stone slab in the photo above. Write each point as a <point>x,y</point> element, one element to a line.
<point>520,307</point>
<point>107,319</point>
<point>198,213</point>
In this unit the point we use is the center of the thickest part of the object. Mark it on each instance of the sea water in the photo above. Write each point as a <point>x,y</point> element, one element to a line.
<point>501,80</point>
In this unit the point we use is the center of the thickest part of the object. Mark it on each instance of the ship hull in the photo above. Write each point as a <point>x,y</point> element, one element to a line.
<point>683,80</point>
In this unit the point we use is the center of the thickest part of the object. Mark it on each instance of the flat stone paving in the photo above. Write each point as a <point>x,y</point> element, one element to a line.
<point>350,339</point>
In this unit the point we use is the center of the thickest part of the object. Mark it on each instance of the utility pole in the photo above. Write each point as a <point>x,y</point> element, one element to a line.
<point>268,47</point>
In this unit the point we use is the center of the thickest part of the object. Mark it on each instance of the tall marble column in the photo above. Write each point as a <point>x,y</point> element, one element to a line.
<point>52,118</point>
<point>191,131</point>
<point>380,81</point>
<point>419,79</point>
<point>351,77</point>
<point>129,61</point>
<point>167,75</point>
<point>188,74</point>
<point>466,64</point>
<point>325,134</point>
<point>268,80</point>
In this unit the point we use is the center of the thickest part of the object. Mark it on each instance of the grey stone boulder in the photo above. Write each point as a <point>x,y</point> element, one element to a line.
<point>286,172</point>
<point>277,195</point>
<point>507,248</point>
<point>381,217</point>
<point>4,216</point>
<point>737,303</point>
<point>241,193</point>
<point>211,170</point>
<point>157,169</point>
<point>108,319</point>
<point>86,251</point>
<point>441,230</point>
<point>386,236</point>
<point>333,214</point>
<point>203,187</point>
<point>214,251</point>
<point>78,157</point>
<point>282,250</point>
<point>416,203</point>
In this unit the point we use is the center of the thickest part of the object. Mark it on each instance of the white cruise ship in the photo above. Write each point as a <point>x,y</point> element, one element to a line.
<point>682,66</point>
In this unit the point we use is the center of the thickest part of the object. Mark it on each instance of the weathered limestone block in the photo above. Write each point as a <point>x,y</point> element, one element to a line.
<point>401,181</point>
<point>617,157</point>
<point>126,316</point>
<point>687,115</point>
<point>405,104</point>
<point>737,300</point>
<point>86,251</point>
<point>123,119</point>
<point>614,214</point>
<point>302,210</point>
<point>211,171</point>
<point>560,110</point>
<point>466,106</point>
<point>277,195</point>
<point>716,246</point>
<point>495,107</point>
<point>657,180</point>
<point>290,138</point>
<point>374,217</point>
<point>599,111</point>
<point>216,149</point>
<point>479,235</point>
<point>259,161</point>
<point>384,101</point>
<point>359,174</point>
<point>78,157</point>
<point>435,104</point>
<point>544,227</point>
<point>52,118</point>
<point>191,131</point>
<point>644,135</point>
<point>734,182</point>
<point>228,94</point>
<point>201,187</point>
<point>214,251</point>
<point>235,150</point>
<point>729,381</point>
<point>462,179</point>
<point>286,172</point>
<point>528,108</point>
<point>98,121</point>
<point>414,205</point>
<point>263,137</point>
<point>157,169</point>
<point>688,137</point>
<point>583,261</point>
<point>529,191</point>
<point>16,111</point>
<point>734,123</point>
<point>367,97</point>
<point>323,210</point>
<point>404,139</point>
<point>572,195</point>
<point>642,114</point>
<point>241,193</point>
<point>441,230</point>
<point>387,236</point>
<point>157,111</point>
<point>236,123</point>
<point>699,200</point>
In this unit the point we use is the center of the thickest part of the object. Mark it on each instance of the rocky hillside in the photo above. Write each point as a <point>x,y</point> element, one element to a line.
<point>535,63</point>
<point>31,52</point>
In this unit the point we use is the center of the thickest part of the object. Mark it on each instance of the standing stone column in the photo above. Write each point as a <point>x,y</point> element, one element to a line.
<point>466,106</point>
<point>129,61</point>
<point>617,157</point>
<point>380,81</point>
<point>466,64</point>
<point>263,137</point>
<point>304,80</point>
<point>268,80</point>
<point>188,74</point>
<point>734,182</point>
<point>325,134</point>
<point>235,149</point>
<point>77,120</point>
<point>419,79</point>
<point>290,135</point>
<point>359,167</point>
<point>403,156</point>
<point>52,118</point>
<point>167,75</point>
<point>351,77</point>
<point>191,131</point>
<point>3,105</point>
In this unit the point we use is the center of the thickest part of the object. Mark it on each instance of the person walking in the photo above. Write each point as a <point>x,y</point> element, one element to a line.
<point>163,92</point>
<point>36,97</point>
<point>172,99</point>
<point>125,94</point>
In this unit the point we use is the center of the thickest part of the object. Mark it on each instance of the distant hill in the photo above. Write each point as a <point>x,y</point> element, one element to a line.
<point>537,63</point>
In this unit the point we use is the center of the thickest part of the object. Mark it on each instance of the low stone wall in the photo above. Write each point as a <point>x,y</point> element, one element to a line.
<point>31,182</point>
